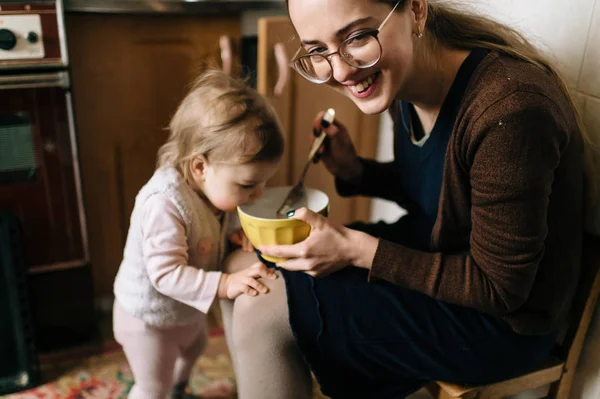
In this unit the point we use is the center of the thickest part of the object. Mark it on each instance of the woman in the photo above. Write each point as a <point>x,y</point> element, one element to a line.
<point>472,285</point>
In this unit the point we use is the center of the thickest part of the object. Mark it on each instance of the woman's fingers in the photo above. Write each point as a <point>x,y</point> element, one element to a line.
<point>297,265</point>
<point>317,121</point>
<point>301,249</point>
<point>315,220</point>
<point>312,267</point>
<point>284,251</point>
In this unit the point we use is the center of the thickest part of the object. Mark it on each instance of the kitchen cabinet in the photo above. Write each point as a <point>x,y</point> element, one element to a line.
<point>297,103</point>
<point>38,176</point>
<point>39,186</point>
<point>129,71</point>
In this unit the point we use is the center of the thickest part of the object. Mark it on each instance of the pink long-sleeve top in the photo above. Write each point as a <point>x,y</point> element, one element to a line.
<point>169,260</point>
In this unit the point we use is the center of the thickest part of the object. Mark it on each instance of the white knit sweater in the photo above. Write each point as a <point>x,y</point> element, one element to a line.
<point>135,291</point>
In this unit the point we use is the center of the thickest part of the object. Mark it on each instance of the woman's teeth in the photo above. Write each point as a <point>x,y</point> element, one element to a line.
<point>364,85</point>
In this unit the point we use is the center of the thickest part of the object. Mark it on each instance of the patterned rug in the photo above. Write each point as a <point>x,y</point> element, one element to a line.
<point>107,376</point>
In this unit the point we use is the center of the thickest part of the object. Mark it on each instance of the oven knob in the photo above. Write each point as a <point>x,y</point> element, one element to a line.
<point>33,37</point>
<point>8,40</point>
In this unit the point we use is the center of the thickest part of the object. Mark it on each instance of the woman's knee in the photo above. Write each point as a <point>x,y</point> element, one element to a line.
<point>264,317</point>
<point>239,260</point>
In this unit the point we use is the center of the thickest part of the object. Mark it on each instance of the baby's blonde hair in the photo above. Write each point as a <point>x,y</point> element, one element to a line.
<point>226,121</point>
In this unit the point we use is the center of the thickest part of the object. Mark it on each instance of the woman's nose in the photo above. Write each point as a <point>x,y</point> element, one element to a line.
<point>341,69</point>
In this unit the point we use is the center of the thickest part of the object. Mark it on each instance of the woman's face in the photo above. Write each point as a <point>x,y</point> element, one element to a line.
<point>323,24</point>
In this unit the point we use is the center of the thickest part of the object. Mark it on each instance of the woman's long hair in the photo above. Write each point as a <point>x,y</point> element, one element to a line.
<point>454,27</point>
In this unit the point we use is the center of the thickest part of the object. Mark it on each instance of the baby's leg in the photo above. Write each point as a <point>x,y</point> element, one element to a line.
<point>150,356</point>
<point>267,362</point>
<point>189,354</point>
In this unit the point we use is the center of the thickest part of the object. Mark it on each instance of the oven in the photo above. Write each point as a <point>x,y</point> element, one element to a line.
<point>40,182</point>
<point>39,174</point>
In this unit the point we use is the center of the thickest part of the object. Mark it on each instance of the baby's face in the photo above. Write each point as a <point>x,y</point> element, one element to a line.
<point>226,186</point>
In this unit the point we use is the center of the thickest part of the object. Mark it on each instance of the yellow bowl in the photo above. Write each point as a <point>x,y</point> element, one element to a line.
<point>262,227</point>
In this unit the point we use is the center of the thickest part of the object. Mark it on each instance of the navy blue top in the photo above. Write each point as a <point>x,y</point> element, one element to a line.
<point>421,168</point>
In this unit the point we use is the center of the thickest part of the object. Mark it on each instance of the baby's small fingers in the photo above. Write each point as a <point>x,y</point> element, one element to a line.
<point>247,245</point>
<point>235,239</point>
<point>258,287</point>
<point>260,270</point>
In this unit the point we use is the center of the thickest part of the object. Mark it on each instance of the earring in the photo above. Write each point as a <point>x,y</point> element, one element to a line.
<point>419,33</point>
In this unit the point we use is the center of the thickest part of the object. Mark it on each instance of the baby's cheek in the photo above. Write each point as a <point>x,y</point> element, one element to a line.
<point>226,203</point>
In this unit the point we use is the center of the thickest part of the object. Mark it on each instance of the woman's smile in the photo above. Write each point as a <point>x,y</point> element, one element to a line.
<point>366,87</point>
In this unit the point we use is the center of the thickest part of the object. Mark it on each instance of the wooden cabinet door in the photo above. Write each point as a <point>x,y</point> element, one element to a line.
<point>297,106</point>
<point>129,73</point>
<point>38,173</point>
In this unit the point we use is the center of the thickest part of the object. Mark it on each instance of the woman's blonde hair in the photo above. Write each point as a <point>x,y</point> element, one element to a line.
<point>224,120</point>
<point>454,27</point>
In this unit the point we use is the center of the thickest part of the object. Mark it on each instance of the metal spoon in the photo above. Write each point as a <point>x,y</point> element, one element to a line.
<point>296,198</point>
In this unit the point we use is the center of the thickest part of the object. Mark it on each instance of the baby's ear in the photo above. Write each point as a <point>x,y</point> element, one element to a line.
<point>198,166</point>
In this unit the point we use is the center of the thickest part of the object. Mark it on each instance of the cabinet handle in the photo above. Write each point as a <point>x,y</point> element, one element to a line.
<point>226,54</point>
<point>282,66</point>
<point>50,146</point>
<point>26,81</point>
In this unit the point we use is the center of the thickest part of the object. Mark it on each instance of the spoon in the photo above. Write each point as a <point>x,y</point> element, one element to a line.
<point>296,198</point>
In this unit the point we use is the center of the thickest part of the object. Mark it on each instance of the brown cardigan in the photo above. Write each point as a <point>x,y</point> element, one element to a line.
<point>507,238</point>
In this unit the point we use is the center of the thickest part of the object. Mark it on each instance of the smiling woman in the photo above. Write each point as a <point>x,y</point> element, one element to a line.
<point>473,283</point>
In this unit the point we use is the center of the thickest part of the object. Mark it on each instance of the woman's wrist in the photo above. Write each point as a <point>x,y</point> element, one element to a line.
<point>362,249</point>
<point>352,174</point>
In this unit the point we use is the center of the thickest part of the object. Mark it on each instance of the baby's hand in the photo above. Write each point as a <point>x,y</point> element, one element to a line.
<point>239,238</point>
<point>245,282</point>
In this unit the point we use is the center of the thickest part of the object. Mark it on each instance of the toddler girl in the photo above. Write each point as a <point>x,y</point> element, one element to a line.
<point>225,142</point>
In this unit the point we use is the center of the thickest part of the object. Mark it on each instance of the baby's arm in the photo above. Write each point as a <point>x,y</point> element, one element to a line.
<point>165,252</point>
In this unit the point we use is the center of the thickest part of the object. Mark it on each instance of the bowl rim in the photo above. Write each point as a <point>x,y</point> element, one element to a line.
<point>240,210</point>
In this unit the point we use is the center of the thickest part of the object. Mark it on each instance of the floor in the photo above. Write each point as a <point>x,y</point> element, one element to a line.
<point>215,323</point>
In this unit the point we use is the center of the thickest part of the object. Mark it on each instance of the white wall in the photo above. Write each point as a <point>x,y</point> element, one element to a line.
<point>381,209</point>
<point>569,31</point>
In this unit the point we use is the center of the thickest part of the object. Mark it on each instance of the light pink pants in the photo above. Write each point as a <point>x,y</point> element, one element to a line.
<point>159,357</point>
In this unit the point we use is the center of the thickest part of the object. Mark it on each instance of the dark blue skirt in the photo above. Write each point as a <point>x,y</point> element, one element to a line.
<point>378,340</point>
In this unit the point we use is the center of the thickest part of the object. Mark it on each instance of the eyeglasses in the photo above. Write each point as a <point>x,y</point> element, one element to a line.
<point>362,50</point>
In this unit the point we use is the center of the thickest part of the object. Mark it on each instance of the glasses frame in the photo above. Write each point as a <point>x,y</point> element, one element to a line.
<point>295,62</point>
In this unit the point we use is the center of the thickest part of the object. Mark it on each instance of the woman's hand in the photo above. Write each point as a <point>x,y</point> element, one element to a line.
<point>238,237</point>
<point>327,249</point>
<point>338,153</point>
<point>245,282</point>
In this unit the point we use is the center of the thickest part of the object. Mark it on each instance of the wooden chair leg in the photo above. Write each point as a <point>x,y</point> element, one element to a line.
<point>438,393</point>
<point>444,395</point>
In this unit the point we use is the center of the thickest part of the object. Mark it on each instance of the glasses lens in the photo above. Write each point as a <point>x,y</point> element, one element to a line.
<point>361,51</point>
<point>314,67</point>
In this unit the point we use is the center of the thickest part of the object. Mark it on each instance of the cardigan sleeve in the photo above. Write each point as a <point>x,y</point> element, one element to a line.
<point>379,179</point>
<point>511,153</point>
<point>165,253</point>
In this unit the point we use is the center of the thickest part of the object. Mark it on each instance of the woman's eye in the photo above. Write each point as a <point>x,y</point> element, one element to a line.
<point>247,186</point>
<point>358,40</point>
<point>317,50</point>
